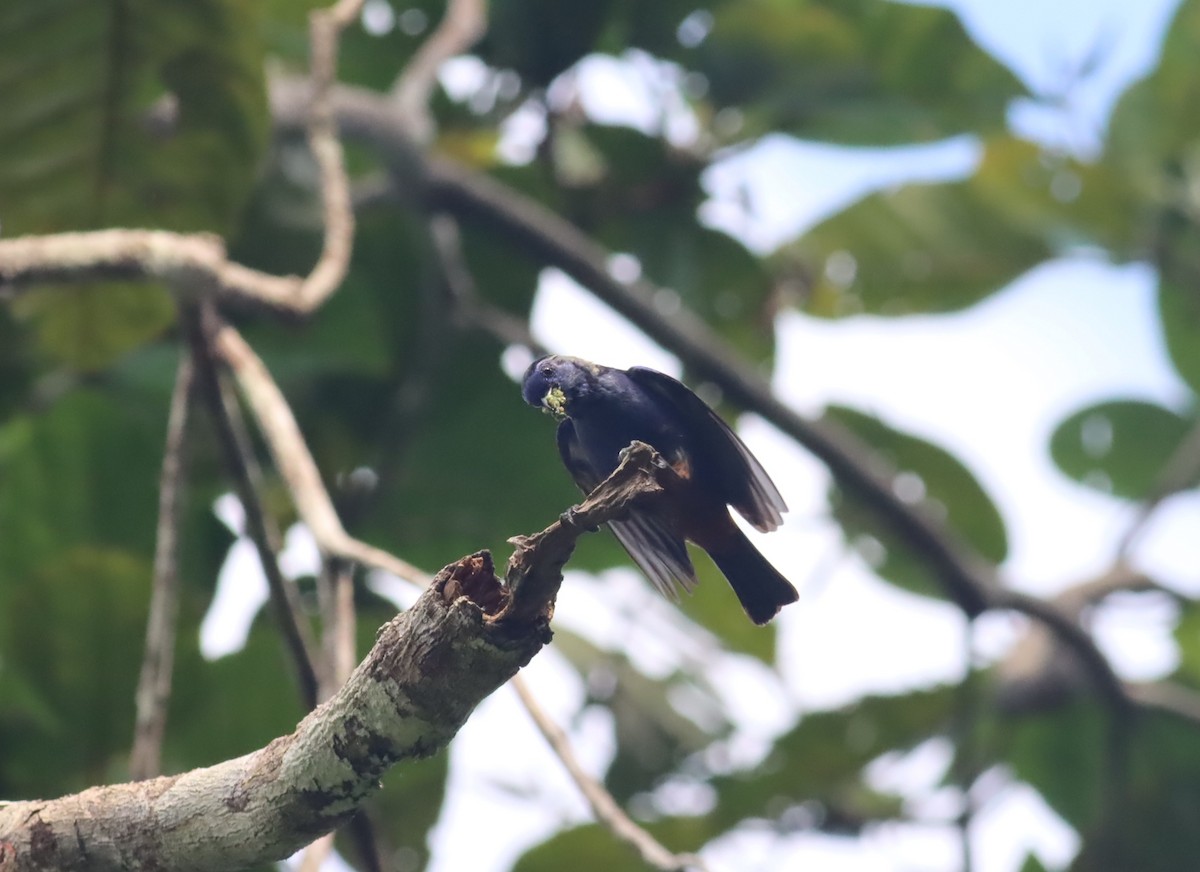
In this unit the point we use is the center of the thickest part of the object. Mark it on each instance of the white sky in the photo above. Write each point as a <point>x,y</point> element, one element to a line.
<point>989,384</point>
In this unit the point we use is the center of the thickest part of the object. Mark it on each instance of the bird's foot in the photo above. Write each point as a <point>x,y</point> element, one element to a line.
<point>570,518</point>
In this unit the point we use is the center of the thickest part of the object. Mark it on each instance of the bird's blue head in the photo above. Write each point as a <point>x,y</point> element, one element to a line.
<point>554,382</point>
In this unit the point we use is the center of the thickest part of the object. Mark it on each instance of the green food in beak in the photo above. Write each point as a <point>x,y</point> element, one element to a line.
<point>556,402</point>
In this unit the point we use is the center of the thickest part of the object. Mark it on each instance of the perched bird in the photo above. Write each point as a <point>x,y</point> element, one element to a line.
<point>602,409</point>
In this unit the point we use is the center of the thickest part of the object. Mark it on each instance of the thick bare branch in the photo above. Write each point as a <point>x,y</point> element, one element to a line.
<point>429,668</point>
<point>193,263</point>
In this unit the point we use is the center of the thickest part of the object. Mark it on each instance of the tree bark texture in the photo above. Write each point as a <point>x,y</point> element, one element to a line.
<point>429,668</point>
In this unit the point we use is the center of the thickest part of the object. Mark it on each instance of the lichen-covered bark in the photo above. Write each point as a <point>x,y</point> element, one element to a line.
<point>430,666</point>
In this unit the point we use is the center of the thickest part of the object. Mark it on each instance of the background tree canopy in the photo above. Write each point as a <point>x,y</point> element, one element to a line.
<point>184,117</point>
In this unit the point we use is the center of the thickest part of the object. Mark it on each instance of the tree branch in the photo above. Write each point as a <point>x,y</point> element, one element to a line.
<point>335,589</point>
<point>462,25</point>
<point>429,668</point>
<point>549,238</point>
<point>154,682</point>
<point>260,527</point>
<point>293,460</point>
<point>466,635</point>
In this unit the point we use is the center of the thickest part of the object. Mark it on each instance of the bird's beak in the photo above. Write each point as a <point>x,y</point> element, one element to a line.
<point>555,402</point>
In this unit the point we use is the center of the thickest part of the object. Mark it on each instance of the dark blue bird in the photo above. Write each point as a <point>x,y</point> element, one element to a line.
<point>602,410</point>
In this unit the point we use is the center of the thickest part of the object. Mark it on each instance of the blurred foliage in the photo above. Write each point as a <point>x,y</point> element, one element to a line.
<point>154,115</point>
<point>1121,446</point>
<point>924,472</point>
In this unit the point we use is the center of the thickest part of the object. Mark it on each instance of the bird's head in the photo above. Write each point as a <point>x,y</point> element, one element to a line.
<point>555,382</point>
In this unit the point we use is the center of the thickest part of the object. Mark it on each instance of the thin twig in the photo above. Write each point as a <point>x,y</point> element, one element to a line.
<point>294,462</point>
<point>260,527</point>
<point>1167,696</point>
<point>606,809</point>
<point>154,682</point>
<point>325,30</point>
<point>335,587</point>
<point>462,25</point>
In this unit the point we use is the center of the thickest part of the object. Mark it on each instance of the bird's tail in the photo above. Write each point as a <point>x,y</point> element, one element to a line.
<point>758,584</point>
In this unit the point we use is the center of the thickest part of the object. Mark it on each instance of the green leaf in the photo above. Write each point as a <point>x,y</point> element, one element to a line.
<point>80,86</point>
<point>943,480</point>
<point>1179,314</point>
<point>84,473</point>
<point>90,326</point>
<point>1153,128</point>
<point>78,81</point>
<point>714,606</point>
<point>1064,754</point>
<point>938,248</point>
<point>1118,446</point>
<point>231,706</point>
<point>79,616</point>
<point>852,71</point>
<point>538,39</point>
<point>1135,803</point>
<point>1187,637</point>
<point>823,756</point>
<point>592,848</point>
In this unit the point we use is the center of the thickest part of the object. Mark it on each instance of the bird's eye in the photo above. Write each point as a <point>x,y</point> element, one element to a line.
<point>547,371</point>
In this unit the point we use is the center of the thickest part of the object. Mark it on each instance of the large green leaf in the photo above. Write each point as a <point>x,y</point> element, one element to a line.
<point>78,80</point>
<point>969,511</point>
<point>83,473</point>
<point>541,38</point>
<point>1119,446</point>
<point>76,617</point>
<point>856,72</point>
<point>1135,799</point>
<point>1153,128</point>
<point>822,758</point>
<point>124,114</point>
<point>937,248</point>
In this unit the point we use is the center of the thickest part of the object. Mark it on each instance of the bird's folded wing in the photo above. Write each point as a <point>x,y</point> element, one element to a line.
<point>719,454</point>
<point>660,554</point>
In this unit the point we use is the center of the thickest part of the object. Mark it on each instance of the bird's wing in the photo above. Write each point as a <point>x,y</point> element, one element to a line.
<point>658,552</point>
<point>720,454</point>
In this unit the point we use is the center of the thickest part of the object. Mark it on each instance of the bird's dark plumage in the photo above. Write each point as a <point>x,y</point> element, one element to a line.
<point>603,409</point>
